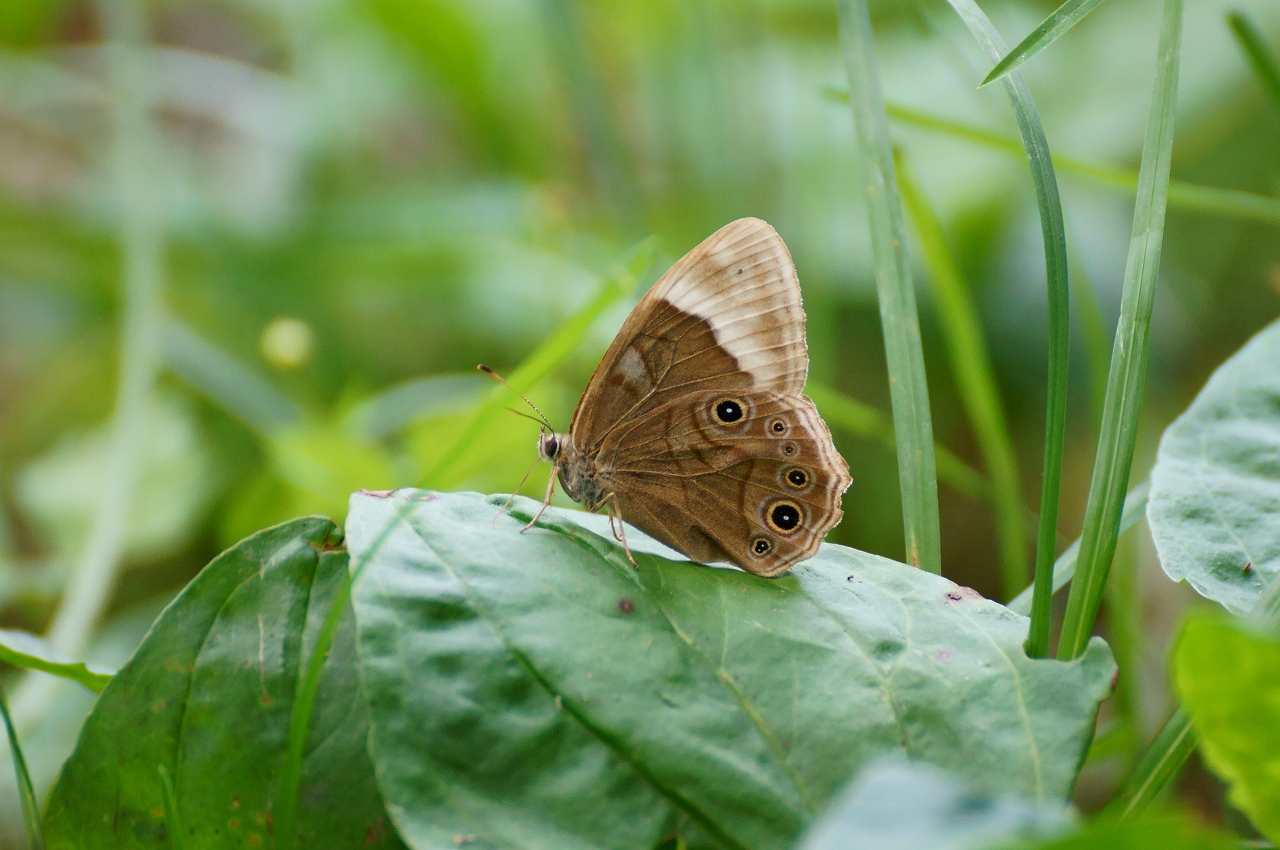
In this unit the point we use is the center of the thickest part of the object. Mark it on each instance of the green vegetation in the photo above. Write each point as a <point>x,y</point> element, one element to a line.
<point>261,584</point>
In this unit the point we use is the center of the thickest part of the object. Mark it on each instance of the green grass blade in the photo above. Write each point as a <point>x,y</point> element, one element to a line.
<point>1261,59</point>
<point>1054,234</point>
<point>904,353</point>
<point>1177,738</point>
<point>303,704</point>
<point>226,381</point>
<point>616,284</point>
<point>1093,328</point>
<point>1064,569</point>
<point>975,379</point>
<point>23,649</point>
<point>1231,203</point>
<point>862,420</point>
<point>172,824</point>
<point>1127,379</point>
<point>1062,19</point>
<point>1158,765</point>
<point>26,792</point>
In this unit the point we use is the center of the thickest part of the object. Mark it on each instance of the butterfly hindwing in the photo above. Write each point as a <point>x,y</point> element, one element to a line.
<point>759,487</point>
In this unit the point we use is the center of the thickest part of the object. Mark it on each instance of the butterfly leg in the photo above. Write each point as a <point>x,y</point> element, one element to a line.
<point>514,492</point>
<point>551,489</point>
<point>619,531</point>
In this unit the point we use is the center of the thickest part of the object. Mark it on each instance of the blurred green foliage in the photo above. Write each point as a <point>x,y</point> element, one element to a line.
<point>429,184</point>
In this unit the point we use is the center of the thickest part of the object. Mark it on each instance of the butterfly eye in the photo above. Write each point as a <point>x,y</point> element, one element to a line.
<point>728,411</point>
<point>790,449</point>
<point>778,426</point>
<point>797,477</point>
<point>761,546</point>
<point>784,516</point>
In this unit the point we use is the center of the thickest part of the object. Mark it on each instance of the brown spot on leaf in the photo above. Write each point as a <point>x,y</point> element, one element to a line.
<point>960,592</point>
<point>626,606</point>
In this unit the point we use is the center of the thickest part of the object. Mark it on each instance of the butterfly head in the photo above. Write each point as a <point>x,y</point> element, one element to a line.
<point>550,445</point>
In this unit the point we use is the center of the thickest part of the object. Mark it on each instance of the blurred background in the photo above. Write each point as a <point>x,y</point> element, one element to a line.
<point>295,226</point>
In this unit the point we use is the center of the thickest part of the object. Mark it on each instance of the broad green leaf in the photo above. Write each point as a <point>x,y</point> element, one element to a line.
<point>897,805</point>
<point>207,697</point>
<point>495,660</point>
<point>1215,487</point>
<point>1165,833</point>
<point>1228,676</point>
<point>23,649</point>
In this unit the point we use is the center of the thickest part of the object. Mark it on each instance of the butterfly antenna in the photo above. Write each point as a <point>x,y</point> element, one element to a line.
<point>503,381</point>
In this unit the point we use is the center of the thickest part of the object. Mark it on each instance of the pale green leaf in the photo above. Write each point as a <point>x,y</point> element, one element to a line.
<point>494,660</point>
<point>1215,487</point>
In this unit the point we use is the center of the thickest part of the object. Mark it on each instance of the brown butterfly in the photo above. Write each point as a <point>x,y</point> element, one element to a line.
<point>693,427</point>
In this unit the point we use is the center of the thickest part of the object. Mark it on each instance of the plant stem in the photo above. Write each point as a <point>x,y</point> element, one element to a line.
<point>908,390</point>
<point>134,163</point>
<point>1127,379</point>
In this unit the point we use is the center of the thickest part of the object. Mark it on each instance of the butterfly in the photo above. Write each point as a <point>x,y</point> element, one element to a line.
<point>693,427</point>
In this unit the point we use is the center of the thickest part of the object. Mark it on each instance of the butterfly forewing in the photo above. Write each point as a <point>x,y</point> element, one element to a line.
<point>726,316</point>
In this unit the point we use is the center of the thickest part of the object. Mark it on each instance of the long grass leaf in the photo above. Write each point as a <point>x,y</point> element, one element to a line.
<point>1051,28</point>
<point>1064,569</point>
<point>862,420</point>
<point>308,685</point>
<point>908,390</point>
<point>1130,353</point>
<point>975,379</point>
<point>616,284</point>
<point>1093,328</point>
<point>23,649</point>
<point>26,792</point>
<point>1255,48</point>
<point>1174,742</point>
<point>227,381</point>
<point>172,823</point>
<point>1210,200</point>
<point>1054,234</point>
<point>1159,764</point>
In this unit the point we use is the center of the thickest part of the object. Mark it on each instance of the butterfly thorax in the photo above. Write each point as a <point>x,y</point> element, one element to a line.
<point>579,474</point>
